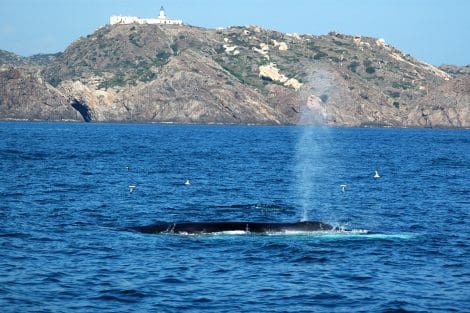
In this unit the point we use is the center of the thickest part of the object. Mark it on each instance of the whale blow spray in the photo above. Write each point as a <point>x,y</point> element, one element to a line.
<point>312,139</point>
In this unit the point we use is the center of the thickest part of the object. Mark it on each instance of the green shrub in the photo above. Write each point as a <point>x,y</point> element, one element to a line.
<point>353,66</point>
<point>311,45</point>
<point>54,81</point>
<point>394,94</point>
<point>324,97</point>
<point>134,39</point>
<point>235,38</point>
<point>319,55</point>
<point>147,76</point>
<point>335,59</point>
<point>101,43</point>
<point>234,73</point>
<point>402,85</point>
<point>174,47</point>
<point>220,50</point>
<point>370,70</point>
<point>117,80</point>
<point>341,43</point>
<point>161,58</point>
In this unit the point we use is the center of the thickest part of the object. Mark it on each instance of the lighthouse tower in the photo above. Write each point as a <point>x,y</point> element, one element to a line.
<point>162,15</point>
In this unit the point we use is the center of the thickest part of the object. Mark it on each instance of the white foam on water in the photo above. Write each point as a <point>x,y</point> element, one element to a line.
<point>327,234</point>
<point>390,236</point>
<point>232,232</point>
<point>320,233</point>
<point>219,233</point>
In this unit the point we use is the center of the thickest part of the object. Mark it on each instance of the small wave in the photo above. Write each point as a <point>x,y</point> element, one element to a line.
<point>127,296</point>
<point>202,300</point>
<point>14,235</point>
<point>115,298</point>
<point>172,280</point>
<point>328,296</point>
<point>448,162</point>
<point>310,259</point>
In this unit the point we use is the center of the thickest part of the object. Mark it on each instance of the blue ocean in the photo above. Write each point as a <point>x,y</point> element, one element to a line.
<point>69,192</point>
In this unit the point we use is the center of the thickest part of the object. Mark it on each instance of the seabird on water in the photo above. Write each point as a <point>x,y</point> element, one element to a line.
<point>376,175</point>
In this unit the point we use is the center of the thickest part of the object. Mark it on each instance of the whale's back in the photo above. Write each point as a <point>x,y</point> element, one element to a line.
<point>216,227</point>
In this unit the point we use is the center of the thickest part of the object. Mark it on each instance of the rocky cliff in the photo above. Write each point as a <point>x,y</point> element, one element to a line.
<point>237,75</point>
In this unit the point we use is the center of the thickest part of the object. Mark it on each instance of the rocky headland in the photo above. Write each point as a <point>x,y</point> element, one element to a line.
<point>236,75</point>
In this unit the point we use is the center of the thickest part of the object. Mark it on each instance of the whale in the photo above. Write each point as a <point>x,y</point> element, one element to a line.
<point>221,227</point>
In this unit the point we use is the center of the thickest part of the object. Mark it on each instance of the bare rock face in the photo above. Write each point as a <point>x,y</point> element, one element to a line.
<point>189,92</point>
<point>447,105</point>
<point>238,75</point>
<point>24,95</point>
<point>93,104</point>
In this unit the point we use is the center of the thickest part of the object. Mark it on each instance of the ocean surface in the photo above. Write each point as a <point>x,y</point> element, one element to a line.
<point>65,204</point>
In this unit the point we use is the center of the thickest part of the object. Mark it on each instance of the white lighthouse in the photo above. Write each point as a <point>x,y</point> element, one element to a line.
<point>161,19</point>
<point>162,15</point>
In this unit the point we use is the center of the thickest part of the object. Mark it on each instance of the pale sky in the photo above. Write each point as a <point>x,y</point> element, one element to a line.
<point>434,31</point>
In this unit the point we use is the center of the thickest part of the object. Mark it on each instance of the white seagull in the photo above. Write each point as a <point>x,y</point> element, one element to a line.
<point>376,175</point>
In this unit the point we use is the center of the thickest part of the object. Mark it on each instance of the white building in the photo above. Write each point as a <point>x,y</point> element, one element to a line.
<point>161,19</point>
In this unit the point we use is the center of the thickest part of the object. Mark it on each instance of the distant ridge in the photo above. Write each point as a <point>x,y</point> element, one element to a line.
<point>236,75</point>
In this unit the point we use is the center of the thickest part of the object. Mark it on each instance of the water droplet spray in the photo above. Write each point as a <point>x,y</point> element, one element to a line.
<point>312,139</point>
